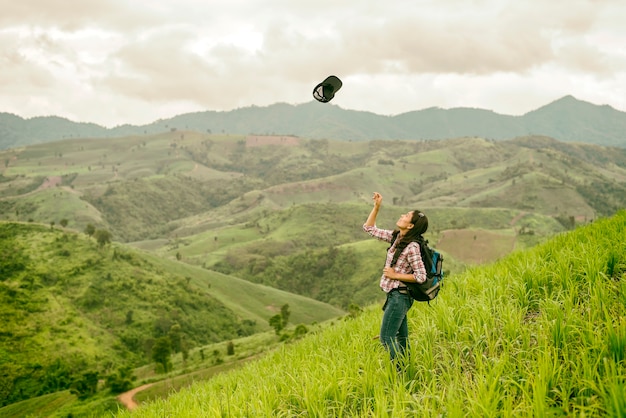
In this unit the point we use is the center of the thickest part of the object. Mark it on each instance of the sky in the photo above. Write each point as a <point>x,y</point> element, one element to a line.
<point>115,62</point>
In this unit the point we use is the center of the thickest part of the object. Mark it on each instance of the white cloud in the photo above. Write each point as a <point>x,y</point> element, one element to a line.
<point>120,62</point>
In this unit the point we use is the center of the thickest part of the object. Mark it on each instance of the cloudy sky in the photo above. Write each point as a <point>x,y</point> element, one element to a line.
<point>135,61</point>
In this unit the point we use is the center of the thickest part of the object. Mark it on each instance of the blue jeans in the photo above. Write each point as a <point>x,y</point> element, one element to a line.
<point>394,330</point>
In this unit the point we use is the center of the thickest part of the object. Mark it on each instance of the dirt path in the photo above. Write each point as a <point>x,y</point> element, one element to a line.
<point>50,181</point>
<point>128,398</point>
<point>518,217</point>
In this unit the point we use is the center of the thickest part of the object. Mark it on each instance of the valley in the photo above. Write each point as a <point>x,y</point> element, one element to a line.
<point>112,244</point>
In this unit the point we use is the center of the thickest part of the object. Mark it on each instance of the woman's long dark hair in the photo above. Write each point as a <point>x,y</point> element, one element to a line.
<point>415,234</point>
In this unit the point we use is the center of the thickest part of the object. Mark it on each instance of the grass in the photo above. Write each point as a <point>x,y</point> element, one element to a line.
<point>163,388</point>
<point>42,406</point>
<point>201,367</point>
<point>252,301</point>
<point>539,333</point>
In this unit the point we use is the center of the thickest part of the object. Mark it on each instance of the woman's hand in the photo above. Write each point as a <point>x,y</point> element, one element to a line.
<point>371,219</point>
<point>389,272</point>
<point>377,198</point>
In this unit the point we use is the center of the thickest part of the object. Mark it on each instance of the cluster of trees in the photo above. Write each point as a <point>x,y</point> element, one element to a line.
<point>279,321</point>
<point>309,273</point>
<point>19,382</point>
<point>102,236</point>
<point>606,198</point>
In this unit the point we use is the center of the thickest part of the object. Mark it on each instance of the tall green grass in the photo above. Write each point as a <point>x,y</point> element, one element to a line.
<point>539,333</point>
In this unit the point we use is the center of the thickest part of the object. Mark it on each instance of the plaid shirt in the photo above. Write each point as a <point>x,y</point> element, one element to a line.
<point>409,262</point>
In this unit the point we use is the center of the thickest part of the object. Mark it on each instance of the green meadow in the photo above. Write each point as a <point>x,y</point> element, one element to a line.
<point>541,332</point>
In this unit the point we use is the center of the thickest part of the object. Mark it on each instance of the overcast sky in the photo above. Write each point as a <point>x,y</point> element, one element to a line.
<point>135,61</point>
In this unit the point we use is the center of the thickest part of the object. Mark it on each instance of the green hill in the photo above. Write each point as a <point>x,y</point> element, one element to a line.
<point>69,306</point>
<point>542,332</point>
<point>143,188</point>
<point>206,228</point>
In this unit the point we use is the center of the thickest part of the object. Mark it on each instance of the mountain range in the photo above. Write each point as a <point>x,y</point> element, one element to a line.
<point>567,119</point>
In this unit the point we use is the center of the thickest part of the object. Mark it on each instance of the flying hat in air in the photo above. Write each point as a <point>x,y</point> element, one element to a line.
<point>325,91</point>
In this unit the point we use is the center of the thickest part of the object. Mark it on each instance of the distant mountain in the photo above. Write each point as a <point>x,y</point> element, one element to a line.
<point>566,119</point>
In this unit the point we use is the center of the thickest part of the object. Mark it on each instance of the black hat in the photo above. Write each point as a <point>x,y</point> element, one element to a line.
<point>325,91</point>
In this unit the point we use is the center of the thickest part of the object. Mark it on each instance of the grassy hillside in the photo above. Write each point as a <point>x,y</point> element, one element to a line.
<point>542,332</point>
<point>258,206</point>
<point>69,305</point>
<point>158,186</point>
<point>304,248</point>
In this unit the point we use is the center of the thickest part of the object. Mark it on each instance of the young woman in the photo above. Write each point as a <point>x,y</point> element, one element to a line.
<point>403,264</point>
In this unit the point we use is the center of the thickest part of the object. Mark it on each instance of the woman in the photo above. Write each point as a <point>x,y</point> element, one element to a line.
<point>403,264</point>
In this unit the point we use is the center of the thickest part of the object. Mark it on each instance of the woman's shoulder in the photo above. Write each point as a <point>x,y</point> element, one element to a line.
<point>415,245</point>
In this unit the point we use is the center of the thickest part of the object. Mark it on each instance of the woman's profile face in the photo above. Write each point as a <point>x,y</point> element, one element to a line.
<point>405,220</point>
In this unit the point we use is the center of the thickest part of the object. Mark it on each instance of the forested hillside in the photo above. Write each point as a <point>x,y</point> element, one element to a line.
<point>71,304</point>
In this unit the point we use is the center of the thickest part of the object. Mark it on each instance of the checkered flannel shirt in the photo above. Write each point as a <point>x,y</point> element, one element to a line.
<point>409,262</point>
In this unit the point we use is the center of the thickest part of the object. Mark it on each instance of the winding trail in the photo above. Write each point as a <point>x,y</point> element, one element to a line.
<point>128,398</point>
<point>518,217</point>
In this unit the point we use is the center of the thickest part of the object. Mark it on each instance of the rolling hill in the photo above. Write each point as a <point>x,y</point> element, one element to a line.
<point>69,306</point>
<point>175,184</point>
<point>255,206</point>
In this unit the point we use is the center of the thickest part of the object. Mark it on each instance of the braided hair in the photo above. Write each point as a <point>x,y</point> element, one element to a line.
<point>415,234</point>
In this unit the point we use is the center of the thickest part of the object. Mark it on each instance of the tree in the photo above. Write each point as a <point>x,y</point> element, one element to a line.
<point>129,317</point>
<point>57,376</point>
<point>284,314</point>
<point>161,352</point>
<point>90,230</point>
<point>63,222</point>
<point>230,348</point>
<point>276,322</point>
<point>120,381</point>
<point>175,335</point>
<point>184,349</point>
<point>86,385</point>
<point>103,237</point>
